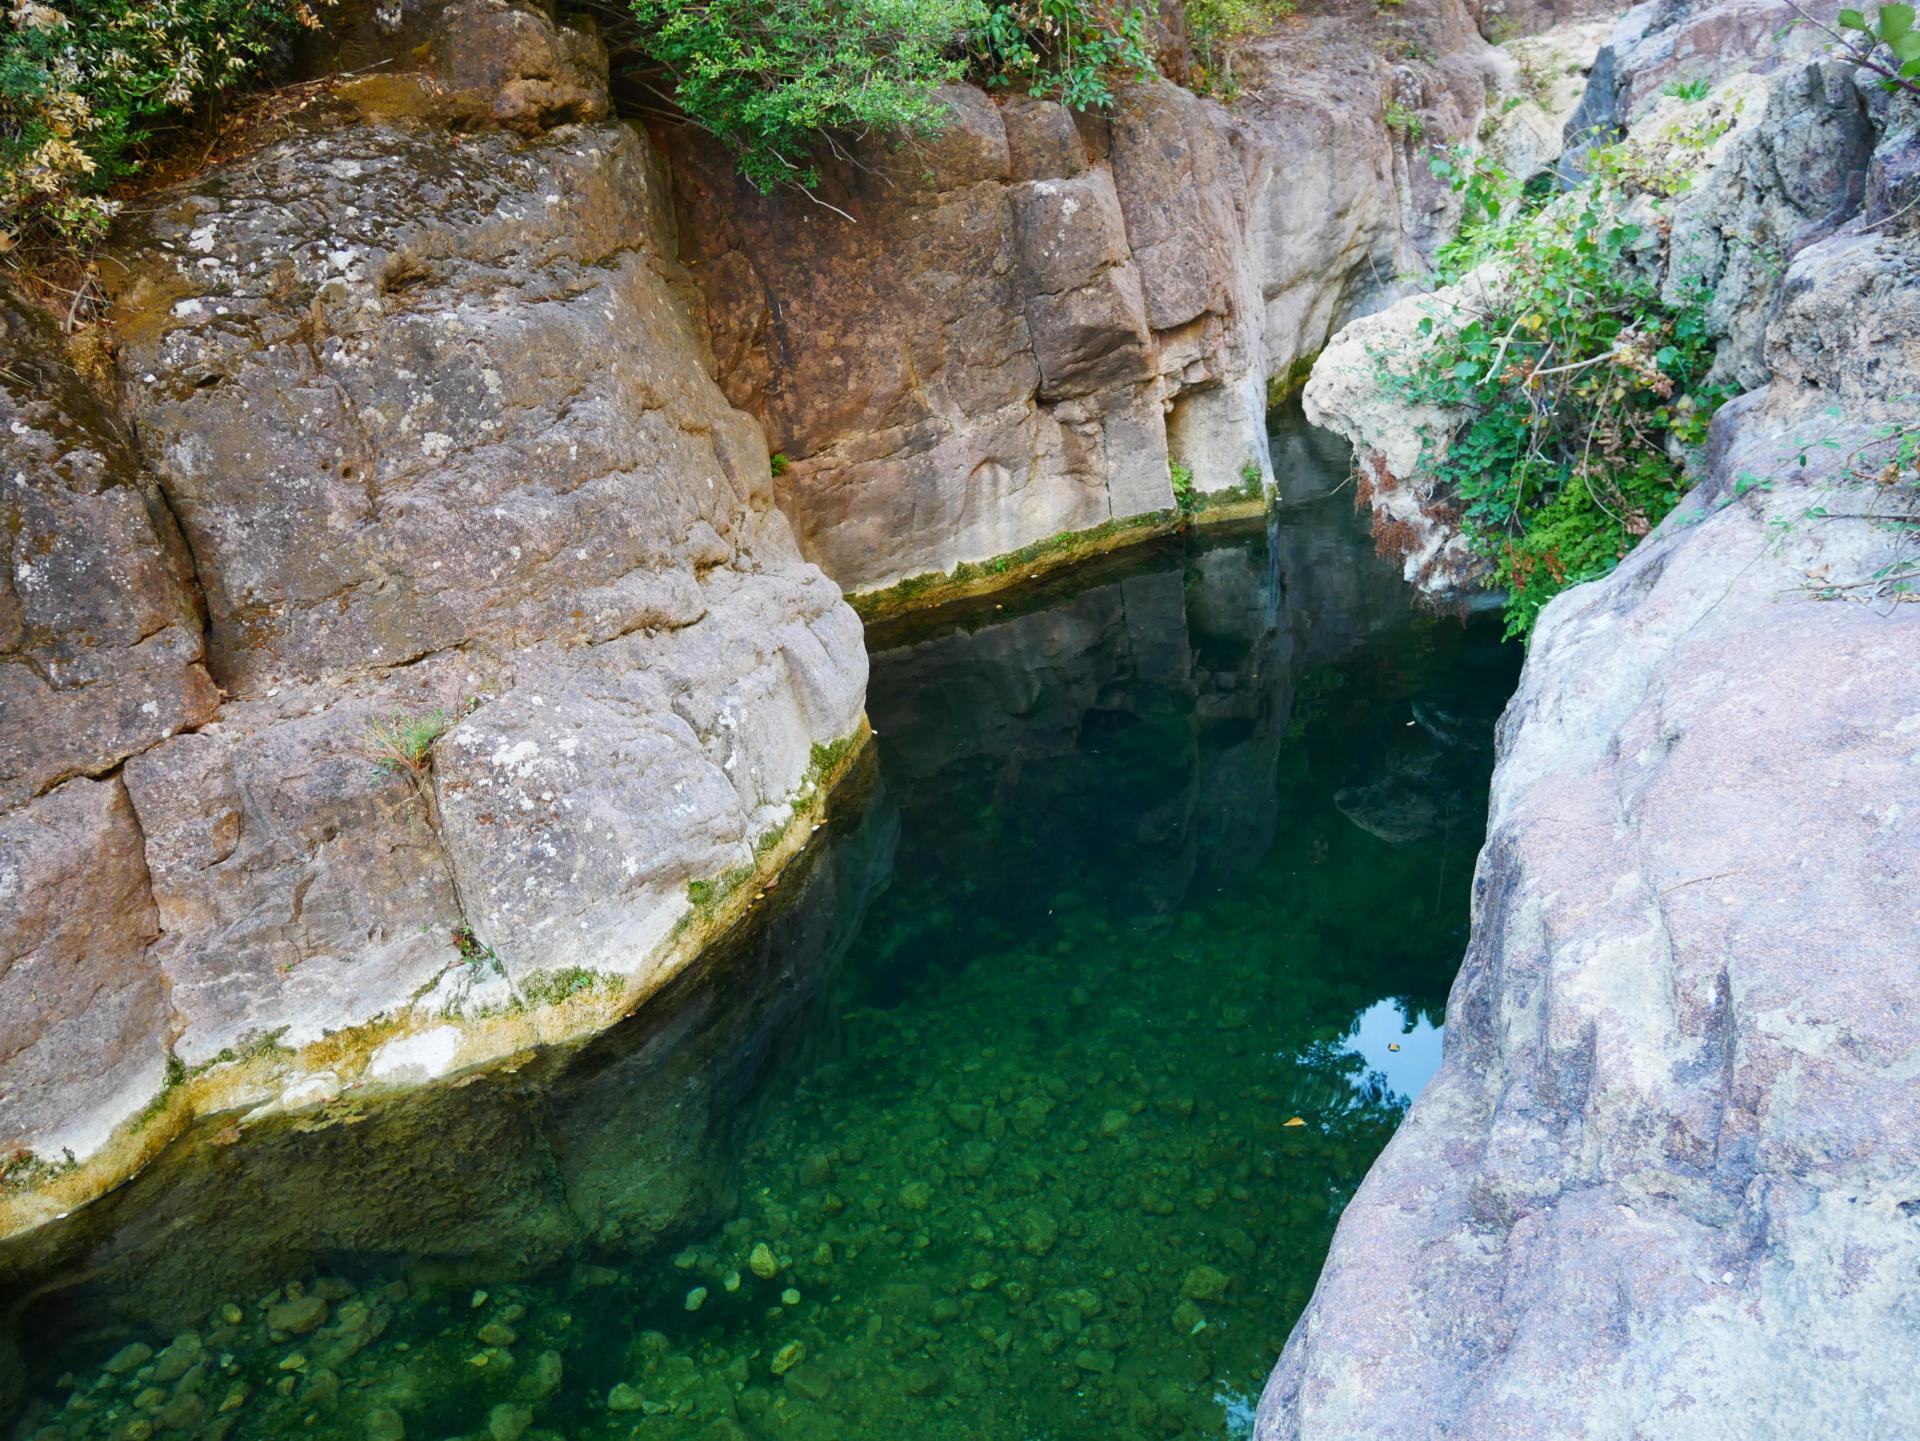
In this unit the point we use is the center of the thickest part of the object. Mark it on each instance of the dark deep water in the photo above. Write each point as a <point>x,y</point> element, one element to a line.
<point>1024,1109</point>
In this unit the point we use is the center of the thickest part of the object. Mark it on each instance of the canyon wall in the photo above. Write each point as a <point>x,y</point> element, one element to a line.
<point>414,646</point>
<point>970,346</point>
<point>436,642</point>
<point>1666,1181</point>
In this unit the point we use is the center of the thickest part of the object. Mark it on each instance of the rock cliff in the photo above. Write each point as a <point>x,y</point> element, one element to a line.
<point>510,666</point>
<point>1663,1183</point>
<point>998,341</point>
<point>419,649</point>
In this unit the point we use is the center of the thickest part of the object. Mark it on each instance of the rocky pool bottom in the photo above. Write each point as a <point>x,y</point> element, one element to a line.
<point>1024,1109</point>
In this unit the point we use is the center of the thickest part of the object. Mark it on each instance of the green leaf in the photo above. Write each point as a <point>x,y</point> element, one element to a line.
<point>1851,20</point>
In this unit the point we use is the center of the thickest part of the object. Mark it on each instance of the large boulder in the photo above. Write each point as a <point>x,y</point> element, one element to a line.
<point>515,650</point>
<point>1665,1181</point>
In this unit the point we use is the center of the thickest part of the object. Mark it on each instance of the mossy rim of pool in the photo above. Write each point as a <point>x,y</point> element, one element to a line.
<point>1024,1109</point>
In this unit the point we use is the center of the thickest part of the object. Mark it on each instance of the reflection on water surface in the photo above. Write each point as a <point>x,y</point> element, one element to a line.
<point>1025,1109</point>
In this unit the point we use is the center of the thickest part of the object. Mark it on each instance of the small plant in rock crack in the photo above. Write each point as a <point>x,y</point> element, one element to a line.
<point>778,463</point>
<point>479,956</point>
<point>1185,499</point>
<point>403,744</point>
<point>1408,124</point>
<point>1688,90</point>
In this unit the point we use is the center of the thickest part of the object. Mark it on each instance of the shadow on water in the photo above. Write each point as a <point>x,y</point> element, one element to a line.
<point>1025,1106</point>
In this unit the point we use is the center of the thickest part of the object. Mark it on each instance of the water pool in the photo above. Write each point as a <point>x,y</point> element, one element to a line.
<point>1023,1108</point>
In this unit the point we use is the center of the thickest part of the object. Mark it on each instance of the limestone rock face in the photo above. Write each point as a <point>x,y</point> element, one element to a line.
<point>1664,1182</point>
<point>973,343</point>
<point>443,443</point>
<point>446,456</point>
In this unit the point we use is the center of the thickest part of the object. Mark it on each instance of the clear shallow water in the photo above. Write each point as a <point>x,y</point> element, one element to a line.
<point>1024,1110</point>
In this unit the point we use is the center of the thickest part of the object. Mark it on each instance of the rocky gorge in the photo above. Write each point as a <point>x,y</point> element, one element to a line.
<point>457,406</point>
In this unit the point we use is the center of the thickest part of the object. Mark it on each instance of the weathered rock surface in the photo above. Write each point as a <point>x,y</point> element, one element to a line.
<point>100,656</point>
<point>1665,1181</point>
<point>100,645</point>
<point>1774,158</point>
<point>445,451</point>
<point>83,1011</point>
<point>979,342</point>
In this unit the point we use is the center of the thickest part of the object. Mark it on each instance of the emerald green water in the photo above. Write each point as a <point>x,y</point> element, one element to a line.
<point>1024,1111</point>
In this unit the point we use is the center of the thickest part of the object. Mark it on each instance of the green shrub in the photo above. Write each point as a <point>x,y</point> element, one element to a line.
<point>769,79</point>
<point>777,81</point>
<point>1578,381</point>
<point>84,83</point>
<point>1069,50</point>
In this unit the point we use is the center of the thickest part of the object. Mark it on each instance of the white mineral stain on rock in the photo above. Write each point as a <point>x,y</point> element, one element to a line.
<point>422,1057</point>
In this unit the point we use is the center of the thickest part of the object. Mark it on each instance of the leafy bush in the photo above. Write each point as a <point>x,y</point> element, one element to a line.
<point>1578,381</point>
<point>82,83</point>
<point>771,78</point>
<point>775,81</point>
<point>1069,50</point>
